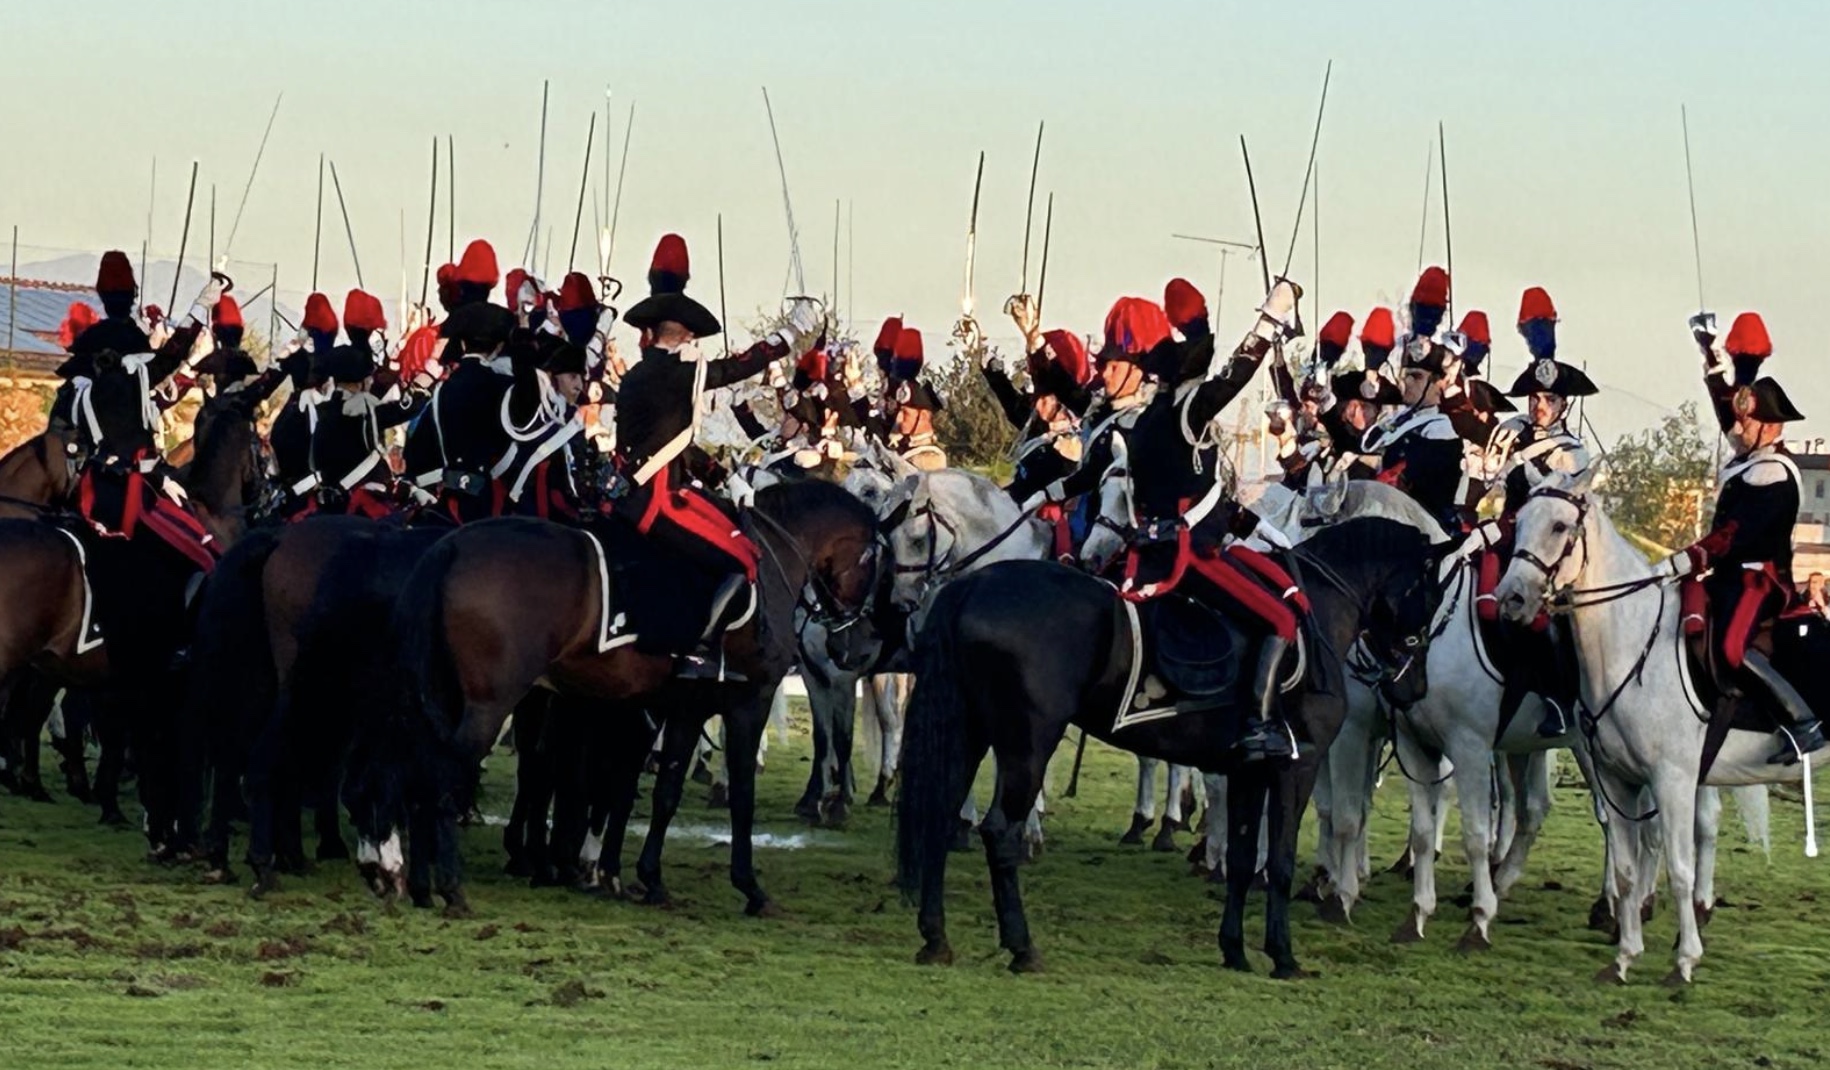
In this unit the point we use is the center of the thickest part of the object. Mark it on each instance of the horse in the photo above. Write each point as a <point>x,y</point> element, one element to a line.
<point>1644,728</point>
<point>1008,657</point>
<point>502,606</point>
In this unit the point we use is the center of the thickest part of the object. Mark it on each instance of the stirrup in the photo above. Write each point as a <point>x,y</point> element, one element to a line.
<point>702,664</point>
<point>1265,740</point>
<point>1556,724</point>
<point>715,626</point>
<point>1803,738</point>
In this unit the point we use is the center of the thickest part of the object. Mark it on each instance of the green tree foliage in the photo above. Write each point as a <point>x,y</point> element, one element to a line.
<point>972,429</point>
<point>1660,479</point>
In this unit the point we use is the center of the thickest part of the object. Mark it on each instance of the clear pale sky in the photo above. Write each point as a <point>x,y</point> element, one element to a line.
<point>1565,153</point>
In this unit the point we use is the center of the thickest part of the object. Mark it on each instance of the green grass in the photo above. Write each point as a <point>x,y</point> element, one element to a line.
<point>108,962</point>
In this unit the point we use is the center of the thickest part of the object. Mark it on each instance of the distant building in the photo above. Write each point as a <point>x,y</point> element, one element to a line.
<point>31,312</point>
<point>1811,538</point>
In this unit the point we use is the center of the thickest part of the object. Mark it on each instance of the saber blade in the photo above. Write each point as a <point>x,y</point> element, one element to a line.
<point>1048,225</point>
<point>425,278</point>
<point>1315,140</point>
<point>252,171</point>
<point>1448,239</point>
<point>584,181</point>
<point>794,236</point>
<point>1696,240</point>
<point>1251,186</point>
<point>1029,210</point>
<point>347,232</point>
<point>185,237</point>
<point>972,237</point>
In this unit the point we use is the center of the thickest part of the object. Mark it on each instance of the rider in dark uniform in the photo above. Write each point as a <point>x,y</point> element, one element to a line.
<point>116,330</point>
<point>290,435</point>
<point>348,451</point>
<point>466,408</point>
<point>1046,415</point>
<point>658,411</point>
<point>1748,551</point>
<point>1419,450</point>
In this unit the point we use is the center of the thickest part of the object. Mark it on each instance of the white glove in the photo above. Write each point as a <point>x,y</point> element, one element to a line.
<point>1456,343</point>
<point>1703,329</point>
<point>207,300</point>
<point>378,348</point>
<point>1023,312</point>
<point>1678,565</point>
<point>1486,534</point>
<point>1270,533</point>
<point>803,319</point>
<point>1277,316</point>
<point>1054,492</point>
<point>778,375</point>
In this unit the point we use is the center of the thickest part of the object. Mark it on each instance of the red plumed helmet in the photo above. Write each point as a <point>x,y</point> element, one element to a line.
<point>1183,303</point>
<point>115,274</point>
<point>478,265</point>
<point>908,344</point>
<point>576,292</point>
<point>362,312</point>
<point>1535,304</point>
<point>1432,289</point>
<point>226,313</point>
<point>1334,336</point>
<point>319,316</point>
<point>1134,327</point>
<point>1748,337</point>
<point>670,269</point>
<point>1380,330</point>
<point>80,318</point>
<point>887,335</point>
<point>1474,325</point>
<point>1071,353</point>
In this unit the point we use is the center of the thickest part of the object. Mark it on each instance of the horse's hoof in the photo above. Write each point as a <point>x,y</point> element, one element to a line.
<point>457,907</point>
<point>763,908</point>
<point>1310,892</point>
<point>518,866</point>
<point>720,797</point>
<point>1032,850</point>
<point>1404,867</point>
<point>1601,916</point>
<point>1648,908</point>
<point>264,883</point>
<point>1676,978</point>
<point>1334,910</point>
<point>878,797</point>
<point>1165,841</point>
<point>1236,961</point>
<point>222,875</point>
<point>114,819</point>
<point>1611,974</point>
<point>420,900</point>
<point>1410,930</point>
<point>836,815</point>
<point>935,953</point>
<point>36,793</point>
<point>1290,971</point>
<point>701,773</point>
<point>962,837</point>
<point>1704,913</point>
<point>1474,940</point>
<point>1028,960</point>
<point>655,897</point>
<point>1135,834</point>
<point>808,810</point>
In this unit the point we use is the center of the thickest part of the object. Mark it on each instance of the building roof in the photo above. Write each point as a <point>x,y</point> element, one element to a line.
<point>31,311</point>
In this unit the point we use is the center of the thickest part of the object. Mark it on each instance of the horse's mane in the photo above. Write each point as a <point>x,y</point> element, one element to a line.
<point>786,500</point>
<point>1368,537</point>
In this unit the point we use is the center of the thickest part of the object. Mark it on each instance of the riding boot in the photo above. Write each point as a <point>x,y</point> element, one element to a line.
<point>1266,736</point>
<point>1561,697</point>
<point>1800,731</point>
<point>706,662</point>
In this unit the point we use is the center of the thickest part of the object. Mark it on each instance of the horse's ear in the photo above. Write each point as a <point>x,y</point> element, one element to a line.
<point>1592,478</point>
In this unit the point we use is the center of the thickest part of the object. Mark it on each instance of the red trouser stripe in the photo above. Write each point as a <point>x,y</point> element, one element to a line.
<point>1755,588</point>
<point>1269,571</point>
<point>1248,592</point>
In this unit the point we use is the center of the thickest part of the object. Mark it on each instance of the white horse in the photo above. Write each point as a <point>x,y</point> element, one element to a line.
<point>1646,727</point>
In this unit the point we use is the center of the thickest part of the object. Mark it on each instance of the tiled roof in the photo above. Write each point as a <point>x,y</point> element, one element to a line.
<point>31,311</point>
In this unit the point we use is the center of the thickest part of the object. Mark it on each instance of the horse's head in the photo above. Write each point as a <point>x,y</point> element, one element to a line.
<point>1374,577</point>
<point>1548,544</point>
<point>1114,523</point>
<point>835,535</point>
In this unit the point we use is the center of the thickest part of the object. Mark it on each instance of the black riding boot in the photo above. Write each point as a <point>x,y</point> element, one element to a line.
<point>1266,736</point>
<point>707,661</point>
<point>1804,734</point>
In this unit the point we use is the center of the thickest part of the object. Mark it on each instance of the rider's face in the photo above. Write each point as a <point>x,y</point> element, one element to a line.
<point>1358,414</point>
<point>1751,434</point>
<point>1546,408</point>
<point>1419,387</point>
<point>1048,408</point>
<point>1121,378</point>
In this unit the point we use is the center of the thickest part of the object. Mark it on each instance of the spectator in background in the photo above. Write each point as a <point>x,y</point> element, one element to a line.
<point>1815,595</point>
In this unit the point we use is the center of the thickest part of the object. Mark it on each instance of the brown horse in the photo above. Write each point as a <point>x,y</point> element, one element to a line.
<point>37,473</point>
<point>504,606</point>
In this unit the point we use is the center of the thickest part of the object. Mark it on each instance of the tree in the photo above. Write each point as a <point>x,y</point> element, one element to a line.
<point>972,428</point>
<point>1659,480</point>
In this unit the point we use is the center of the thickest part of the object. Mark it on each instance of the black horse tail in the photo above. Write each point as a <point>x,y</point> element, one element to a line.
<point>933,744</point>
<point>232,686</point>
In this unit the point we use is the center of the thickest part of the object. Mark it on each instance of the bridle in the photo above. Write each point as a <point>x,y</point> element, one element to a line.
<point>939,566</point>
<point>1570,598</point>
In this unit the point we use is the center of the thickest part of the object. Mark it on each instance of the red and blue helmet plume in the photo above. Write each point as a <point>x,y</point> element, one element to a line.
<point>1429,300</point>
<point>1538,323</point>
<point>1332,341</point>
<point>1480,341</point>
<point>1748,345</point>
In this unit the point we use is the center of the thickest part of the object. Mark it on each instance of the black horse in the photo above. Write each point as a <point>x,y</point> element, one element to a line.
<point>503,606</point>
<point>1008,657</point>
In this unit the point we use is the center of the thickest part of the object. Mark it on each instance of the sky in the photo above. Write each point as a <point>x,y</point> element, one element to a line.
<point>1564,147</point>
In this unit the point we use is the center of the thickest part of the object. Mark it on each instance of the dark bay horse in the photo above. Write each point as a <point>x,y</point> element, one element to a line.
<point>503,606</point>
<point>1010,656</point>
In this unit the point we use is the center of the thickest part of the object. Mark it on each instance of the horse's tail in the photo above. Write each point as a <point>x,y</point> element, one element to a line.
<point>1754,805</point>
<point>933,744</point>
<point>232,683</point>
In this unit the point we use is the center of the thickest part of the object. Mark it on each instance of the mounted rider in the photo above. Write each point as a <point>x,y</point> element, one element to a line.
<point>1186,515</point>
<point>658,411</point>
<point>1048,412</point>
<point>289,438</point>
<point>1418,448</point>
<point>1746,559</point>
<point>555,352</point>
<point>116,331</point>
<point>1337,406</point>
<point>466,408</point>
<point>1518,453</point>
<point>348,450</point>
<point>912,403</point>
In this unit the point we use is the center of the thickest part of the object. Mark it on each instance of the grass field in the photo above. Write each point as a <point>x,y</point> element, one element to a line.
<point>108,962</point>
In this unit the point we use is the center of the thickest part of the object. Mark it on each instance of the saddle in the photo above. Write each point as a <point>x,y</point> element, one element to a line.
<point>1193,655</point>
<point>119,499</point>
<point>1797,643</point>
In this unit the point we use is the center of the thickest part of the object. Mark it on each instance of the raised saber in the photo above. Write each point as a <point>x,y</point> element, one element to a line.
<point>531,254</point>
<point>347,232</point>
<point>1029,210</point>
<point>967,327</point>
<point>235,226</point>
<point>1448,239</point>
<point>584,181</point>
<point>1048,225</point>
<point>1315,140</point>
<point>212,252</point>
<point>317,229</point>
<point>723,311</point>
<point>794,236</point>
<point>1696,239</point>
<point>185,237</point>
<point>1251,186</point>
<point>152,198</point>
<point>425,278</point>
<point>616,207</point>
<point>450,200</point>
<point>1423,224</point>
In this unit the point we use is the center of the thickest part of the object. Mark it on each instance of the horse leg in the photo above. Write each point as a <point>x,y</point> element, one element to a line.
<point>262,795</point>
<point>73,757</point>
<point>421,847</point>
<point>1288,787</point>
<point>1174,817</point>
<point>111,740</point>
<point>530,719</point>
<point>836,805</point>
<point>1425,801</point>
<point>627,740</point>
<point>449,863</point>
<point>27,710</point>
<point>820,705</point>
<point>1709,831</point>
<point>1245,802</point>
<point>1474,784</point>
<point>679,735</point>
<point>1531,774</point>
<point>1325,848</point>
<point>570,741</point>
<point>1624,877</point>
<point>888,694</point>
<point>1143,812</point>
<point>743,725</point>
<point>1677,812</point>
<point>1214,843</point>
<point>327,822</point>
<point>1002,832</point>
